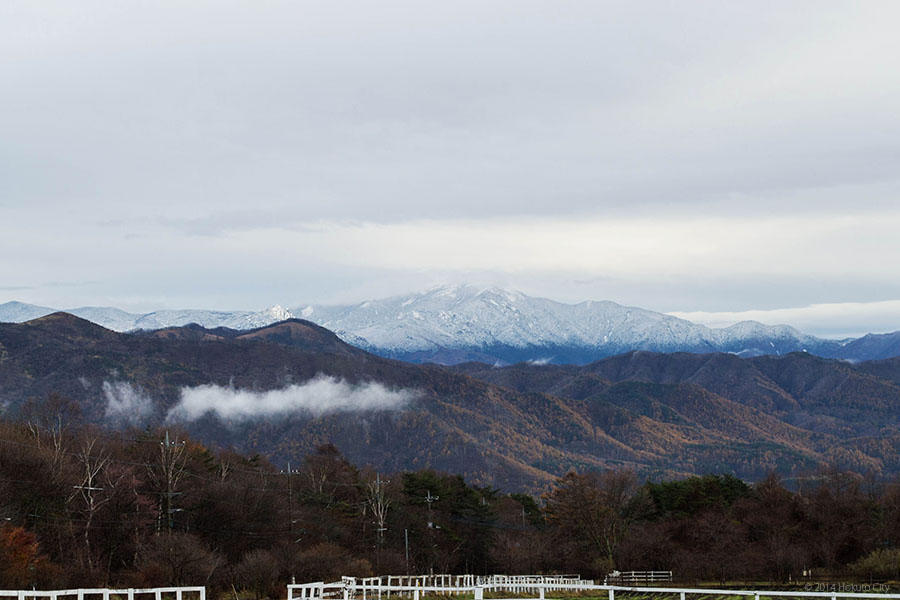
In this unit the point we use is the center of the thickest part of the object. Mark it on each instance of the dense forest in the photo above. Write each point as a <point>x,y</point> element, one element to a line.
<point>84,506</point>
<point>518,428</point>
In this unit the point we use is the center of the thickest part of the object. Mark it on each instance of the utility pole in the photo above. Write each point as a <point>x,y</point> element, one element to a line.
<point>406,539</point>
<point>171,469</point>
<point>290,475</point>
<point>290,500</point>
<point>290,478</point>
<point>431,527</point>
<point>429,499</point>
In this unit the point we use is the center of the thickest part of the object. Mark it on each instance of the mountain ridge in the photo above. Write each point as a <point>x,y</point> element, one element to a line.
<point>515,427</point>
<point>455,324</point>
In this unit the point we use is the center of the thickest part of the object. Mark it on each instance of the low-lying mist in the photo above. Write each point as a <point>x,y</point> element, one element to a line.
<point>318,396</point>
<point>126,404</point>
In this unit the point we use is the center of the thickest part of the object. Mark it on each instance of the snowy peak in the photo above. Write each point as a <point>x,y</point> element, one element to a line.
<point>273,314</point>
<point>278,312</point>
<point>459,294</point>
<point>120,320</point>
<point>469,321</point>
<point>755,328</point>
<point>18,312</point>
<point>457,323</point>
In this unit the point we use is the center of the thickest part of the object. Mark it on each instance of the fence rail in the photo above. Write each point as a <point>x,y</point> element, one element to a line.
<point>414,587</point>
<point>351,588</point>
<point>107,594</point>
<point>637,577</point>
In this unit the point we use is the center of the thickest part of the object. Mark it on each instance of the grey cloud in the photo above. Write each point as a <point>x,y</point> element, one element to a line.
<point>420,111</point>
<point>48,284</point>
<point>170,130</point>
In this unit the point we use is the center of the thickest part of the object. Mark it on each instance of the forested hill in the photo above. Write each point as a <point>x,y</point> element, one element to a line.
<point>284,389</point>
<point>156,508</point>
<point>819,395</point>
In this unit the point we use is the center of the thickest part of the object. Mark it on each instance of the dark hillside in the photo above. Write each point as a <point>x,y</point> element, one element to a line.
<point>515,427</point>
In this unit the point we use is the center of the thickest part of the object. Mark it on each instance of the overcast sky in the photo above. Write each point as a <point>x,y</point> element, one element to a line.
<point>704,158</point>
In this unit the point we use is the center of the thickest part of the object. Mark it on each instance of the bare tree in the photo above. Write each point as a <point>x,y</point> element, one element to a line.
<point>379,503</point>
<point>92,462</point>
<point>51,416</point>
<point>590,515</point>
<point>166,473</point>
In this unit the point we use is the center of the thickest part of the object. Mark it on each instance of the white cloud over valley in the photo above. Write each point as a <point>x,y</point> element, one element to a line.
<point>126,404</point>
<point>318,396</point>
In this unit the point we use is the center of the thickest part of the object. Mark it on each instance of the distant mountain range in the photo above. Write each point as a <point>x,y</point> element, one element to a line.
<point>120,320</point>
<point>283,389</point>
<point>450,325</point>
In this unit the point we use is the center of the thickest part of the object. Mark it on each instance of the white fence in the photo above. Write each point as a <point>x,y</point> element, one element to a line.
<point>370,588</point>
<point>535,586</point>
<point>178,593</point>
<point>637,577</point>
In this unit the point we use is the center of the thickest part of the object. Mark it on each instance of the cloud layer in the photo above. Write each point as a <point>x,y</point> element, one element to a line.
<point>318,396</point>
<point>837,320</point>
<point>680,156</point>
<point>126,404</point>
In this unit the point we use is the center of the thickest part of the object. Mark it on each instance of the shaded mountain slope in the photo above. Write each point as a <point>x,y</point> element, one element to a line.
<point>826,410</point>
<point>454,324</point>
<point>516,427</point>
<point>491,434</point>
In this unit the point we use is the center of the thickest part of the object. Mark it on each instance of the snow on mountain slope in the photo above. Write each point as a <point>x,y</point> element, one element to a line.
<point>212,318</point>
<point>107,316</point>
<point>467,316</point>
<point>18,312</point>
<point>461,317</point>
<point>457,323</point>
<point>119,320</point>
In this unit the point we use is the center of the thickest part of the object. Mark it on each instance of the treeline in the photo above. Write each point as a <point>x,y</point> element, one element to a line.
<point>83,506</point>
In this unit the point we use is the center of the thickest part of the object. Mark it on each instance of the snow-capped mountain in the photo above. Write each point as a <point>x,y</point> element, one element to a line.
<point>454,324</point>
<point>19,312</point>
<point>449,324</point>
<point>211,319</point>
<point>119,320</point>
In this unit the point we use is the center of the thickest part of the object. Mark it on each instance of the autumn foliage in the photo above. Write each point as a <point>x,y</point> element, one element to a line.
<point>144,508</point>
<point>20,557</point>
